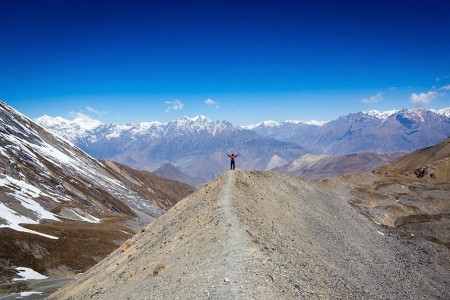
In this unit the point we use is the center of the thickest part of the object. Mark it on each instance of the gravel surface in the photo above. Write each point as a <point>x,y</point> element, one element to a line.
<point>260,235</point>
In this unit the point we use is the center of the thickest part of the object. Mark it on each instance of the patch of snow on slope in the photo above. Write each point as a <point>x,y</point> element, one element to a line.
<point>22,188</point>
<point>2,152</point>
<point>27,274</point>
<point>56,155</point>
<point>88,218</point>
<point>26,294</point>
<point>24,192</point>
<point>35,207</point>
<point>14,219</point>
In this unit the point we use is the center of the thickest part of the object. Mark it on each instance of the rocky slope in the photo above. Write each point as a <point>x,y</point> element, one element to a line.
<point>320,166</point>
<point>163,192</point>
<point>262,235</point>
<point>61,210</point>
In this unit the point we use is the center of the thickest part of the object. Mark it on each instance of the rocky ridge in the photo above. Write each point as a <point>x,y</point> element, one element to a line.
<point>262,235</point>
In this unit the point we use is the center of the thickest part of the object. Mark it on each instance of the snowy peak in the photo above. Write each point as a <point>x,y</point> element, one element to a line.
<point>444,112</point>
<point>81,121</point>
<point>198,121</point>
<point>380,115</point>
<point>48,121</point>
<point>83,128</point>
<point>86,122</point>
<point>270,123</point>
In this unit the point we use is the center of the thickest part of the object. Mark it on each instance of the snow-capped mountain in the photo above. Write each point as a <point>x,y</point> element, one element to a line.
<point>271,123</point>
<point>444,112</point>
<point>50,188</point>
<point>372,131</point>
<point>197,145</point>
<point>67,128</point>
<point>87,129</point>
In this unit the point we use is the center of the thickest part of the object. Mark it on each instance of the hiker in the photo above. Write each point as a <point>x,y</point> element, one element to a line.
<point>232,156</point>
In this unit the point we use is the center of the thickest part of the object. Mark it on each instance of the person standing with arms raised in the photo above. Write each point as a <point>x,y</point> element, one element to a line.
<point>232,157</point>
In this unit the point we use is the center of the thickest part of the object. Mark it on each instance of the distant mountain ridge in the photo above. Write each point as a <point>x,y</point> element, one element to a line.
<point>170,171</point>
<point>198,145</point>
<point>372,131</point>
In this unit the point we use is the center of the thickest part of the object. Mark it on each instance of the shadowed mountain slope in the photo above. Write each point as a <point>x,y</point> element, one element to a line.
<point>170,171</point>
<point>161,191</point>
<point>262,235</point>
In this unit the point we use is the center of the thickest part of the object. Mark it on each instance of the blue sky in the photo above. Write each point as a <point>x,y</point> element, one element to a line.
<point>133,61</point>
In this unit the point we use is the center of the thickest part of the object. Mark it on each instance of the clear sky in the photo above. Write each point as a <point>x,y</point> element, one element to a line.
<point>243,61</point>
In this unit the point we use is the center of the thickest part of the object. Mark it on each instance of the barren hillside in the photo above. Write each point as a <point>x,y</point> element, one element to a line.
<point>430,163</point>
<point>261,235</point>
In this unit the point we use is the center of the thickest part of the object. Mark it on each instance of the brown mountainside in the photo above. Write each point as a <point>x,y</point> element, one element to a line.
<point>432,163</point>
<point>161,191</point>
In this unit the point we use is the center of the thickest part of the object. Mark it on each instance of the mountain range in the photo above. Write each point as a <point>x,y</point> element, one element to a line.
<point>372,131</point>
<point>197,146</point>
<point>62,210</point>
